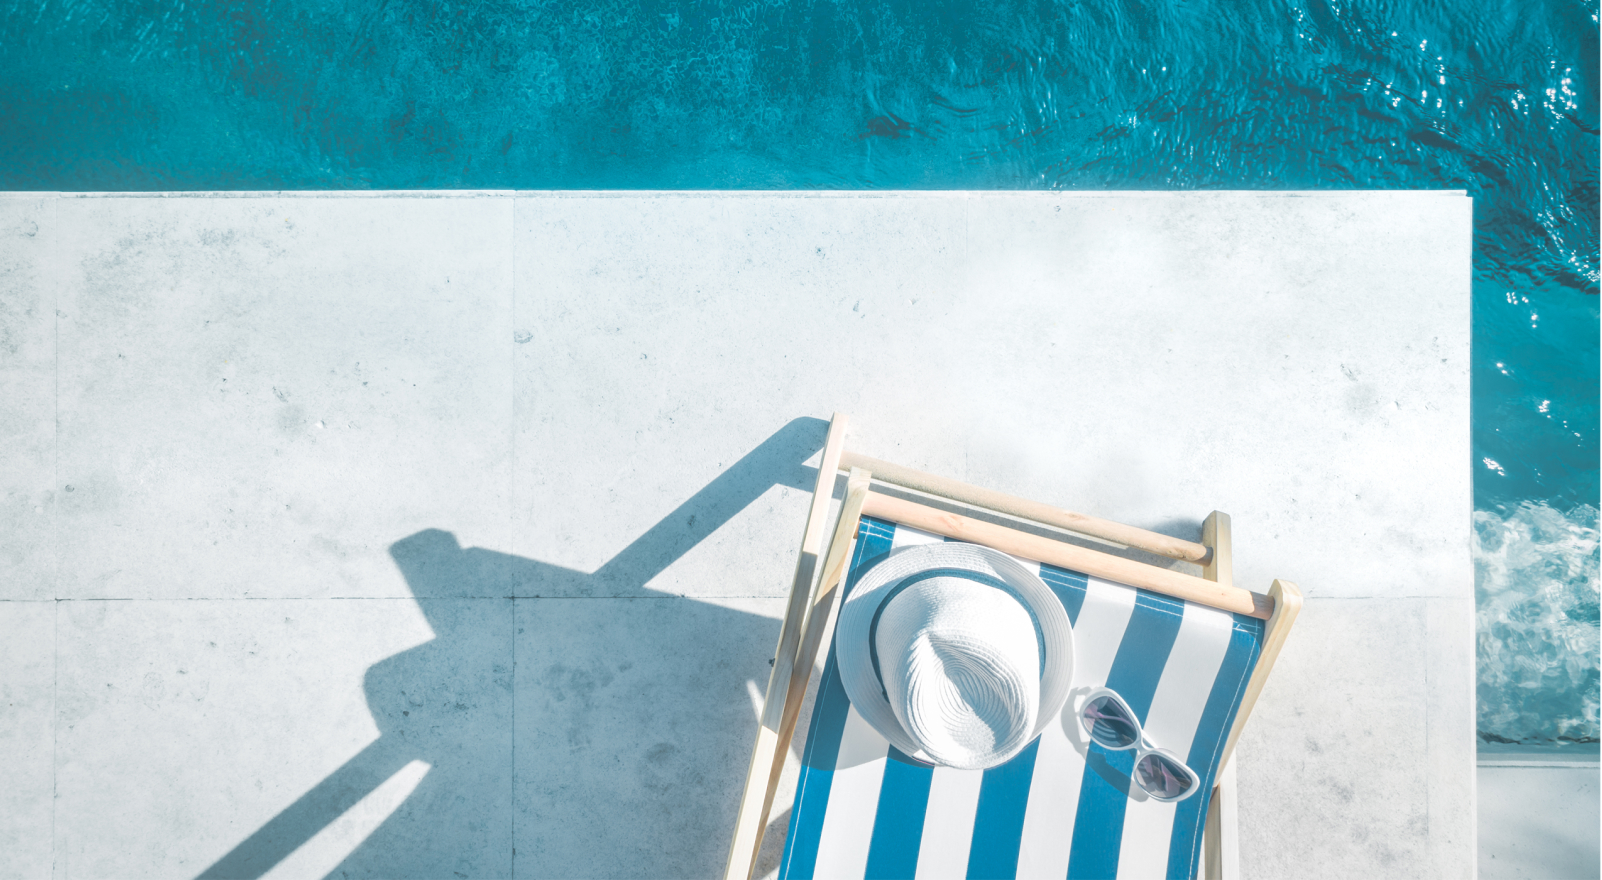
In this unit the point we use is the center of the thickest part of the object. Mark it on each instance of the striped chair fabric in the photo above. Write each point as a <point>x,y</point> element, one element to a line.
<point>863,809</point>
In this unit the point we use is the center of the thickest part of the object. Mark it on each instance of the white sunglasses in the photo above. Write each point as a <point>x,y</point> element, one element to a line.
<point>1112,725</point>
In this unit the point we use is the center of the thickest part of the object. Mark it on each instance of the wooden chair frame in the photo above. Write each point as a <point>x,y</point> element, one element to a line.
<point>809,615</point>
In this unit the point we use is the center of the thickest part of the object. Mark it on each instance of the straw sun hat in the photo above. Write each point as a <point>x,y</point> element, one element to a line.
<point>955,653</point>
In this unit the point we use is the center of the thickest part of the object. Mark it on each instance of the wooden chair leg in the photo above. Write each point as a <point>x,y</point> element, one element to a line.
<point>758,792</point>
<point>1221,840</point>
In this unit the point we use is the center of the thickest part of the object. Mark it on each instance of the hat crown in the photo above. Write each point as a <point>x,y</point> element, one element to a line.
<point>960,663</point>
<point>975,645</point>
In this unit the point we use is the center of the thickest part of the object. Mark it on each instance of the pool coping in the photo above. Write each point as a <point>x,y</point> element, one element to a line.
<point>1565,756</point>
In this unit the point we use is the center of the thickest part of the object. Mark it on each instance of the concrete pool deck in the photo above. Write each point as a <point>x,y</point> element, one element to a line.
<point>430,528</point>
<point>1539,813</point>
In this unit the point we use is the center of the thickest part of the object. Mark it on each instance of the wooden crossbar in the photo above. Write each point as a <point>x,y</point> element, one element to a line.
<point>1118,533</point>
<point>1092,562</point>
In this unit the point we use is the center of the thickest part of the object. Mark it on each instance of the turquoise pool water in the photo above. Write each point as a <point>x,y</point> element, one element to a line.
<point>1495,98</point>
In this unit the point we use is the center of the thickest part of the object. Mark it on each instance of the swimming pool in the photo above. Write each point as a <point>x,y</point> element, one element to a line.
<point>1496,99</point>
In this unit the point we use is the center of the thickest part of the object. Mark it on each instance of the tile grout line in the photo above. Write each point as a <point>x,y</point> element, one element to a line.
<point>412,598</point>
<point>55,412</point>
<point>56,275</point>
<point>511,802</point>
<point>511,347</point>
<point>481,597</point>
<point>55,723</point>
<point>511,343</point>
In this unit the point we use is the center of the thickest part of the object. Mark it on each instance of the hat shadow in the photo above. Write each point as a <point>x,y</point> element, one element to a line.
<point>577,738</point>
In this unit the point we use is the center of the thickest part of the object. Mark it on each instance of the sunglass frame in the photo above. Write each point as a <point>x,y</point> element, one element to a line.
<point>1142,745</point>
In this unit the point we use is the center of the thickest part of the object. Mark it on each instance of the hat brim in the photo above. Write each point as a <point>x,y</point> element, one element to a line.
<point>853,652</point>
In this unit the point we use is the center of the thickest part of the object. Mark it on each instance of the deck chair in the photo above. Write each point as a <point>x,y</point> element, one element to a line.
<point>1190,654</point>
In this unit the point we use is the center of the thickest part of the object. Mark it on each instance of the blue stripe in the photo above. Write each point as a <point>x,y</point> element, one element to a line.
<point>1184,848</point>
<point>878,528</point>
<point>1070,587</point>
<point>898,822</point>
<point>823,737</point>
<point>1104,792</point>
<point>998,821</point>
<point>817,775</point>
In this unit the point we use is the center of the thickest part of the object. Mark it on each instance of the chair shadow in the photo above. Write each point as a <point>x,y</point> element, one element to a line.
<point>608,708</point>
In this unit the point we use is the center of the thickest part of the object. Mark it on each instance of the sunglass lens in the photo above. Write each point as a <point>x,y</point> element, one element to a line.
<point>1161,778</point>
<point>1109,724</point>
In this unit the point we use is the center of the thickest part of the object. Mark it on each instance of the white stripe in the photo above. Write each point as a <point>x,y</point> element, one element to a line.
<point>1176,710</point>
<point>847,831</point>
<point>1060,761</point>
<point>948,824</point>
<point>1099,631</point>
<point>906,536</point>
<point>1187,682</point>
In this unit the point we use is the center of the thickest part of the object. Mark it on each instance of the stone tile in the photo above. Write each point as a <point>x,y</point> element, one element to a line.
<point>635,720</point>
<point>212,738</point>
<point>259,395</point>
<point>670,336</point>
<point>1539,822</point>
<point>1301,363</point>
<point>1451,740</point>
<point>28,237</point>
<point>1138,357</point>
<point>1334,772</point>
<point>27,705</point>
